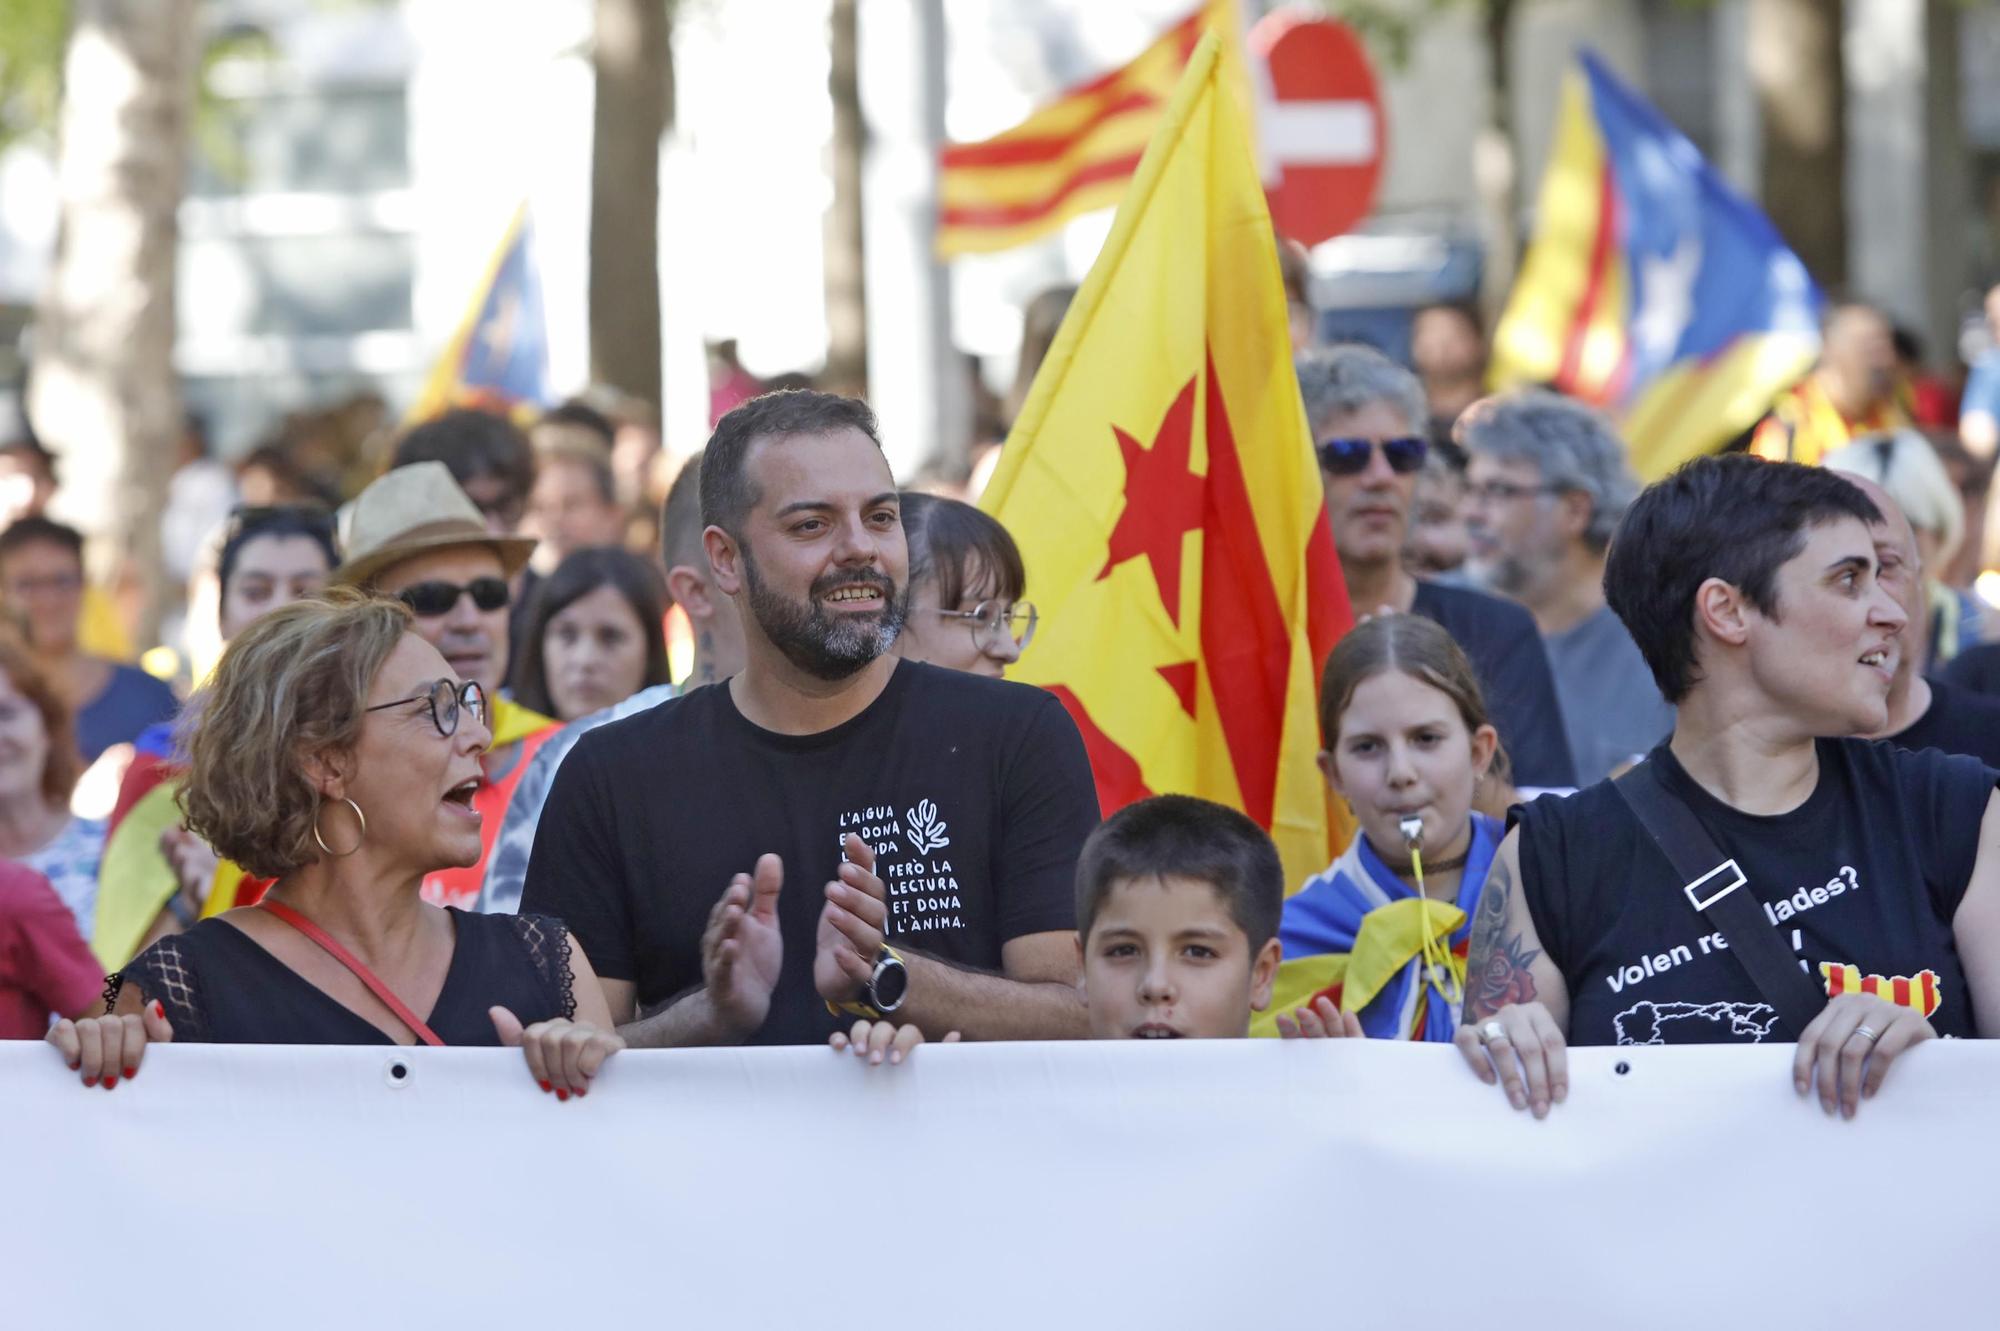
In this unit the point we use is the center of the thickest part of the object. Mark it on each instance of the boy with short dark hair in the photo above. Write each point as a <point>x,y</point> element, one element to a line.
<point>1177,907</point>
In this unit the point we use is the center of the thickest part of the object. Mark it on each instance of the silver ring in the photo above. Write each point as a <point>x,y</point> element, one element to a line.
<point>1864,1032</point>
<point>1492,1031</point>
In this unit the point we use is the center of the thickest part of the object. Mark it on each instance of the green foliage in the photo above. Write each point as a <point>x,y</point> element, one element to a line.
<point>218,121</point>
<point>1390,27</point>
<point>33,34</point>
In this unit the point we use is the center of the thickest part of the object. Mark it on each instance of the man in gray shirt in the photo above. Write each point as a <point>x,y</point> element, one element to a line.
<point>1548,482</point>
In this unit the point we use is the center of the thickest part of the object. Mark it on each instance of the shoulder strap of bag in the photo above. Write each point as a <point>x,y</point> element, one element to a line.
<point>353,963</point>
<point>1712,883</point>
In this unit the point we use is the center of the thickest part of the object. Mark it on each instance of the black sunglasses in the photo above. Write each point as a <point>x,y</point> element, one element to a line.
<point>431,599</point>
<point>1349,457</point>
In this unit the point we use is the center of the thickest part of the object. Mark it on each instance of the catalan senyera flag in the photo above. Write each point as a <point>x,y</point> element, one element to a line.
<point>1077,153</point>
<point>499,356</point>
<point>1651,288</point>
<point>1162,486</point>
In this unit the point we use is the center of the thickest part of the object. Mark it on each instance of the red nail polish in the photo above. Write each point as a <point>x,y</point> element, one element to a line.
<point>580,1092</point>
<point>159,1011</point>
<point>545,1086</point>
<point>90,1081</point>
<point>109,1082</point>
<point>562,1094</point>
<point>131,1073</point>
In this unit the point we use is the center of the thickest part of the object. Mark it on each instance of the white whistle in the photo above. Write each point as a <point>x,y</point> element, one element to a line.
<point>1412,828</point>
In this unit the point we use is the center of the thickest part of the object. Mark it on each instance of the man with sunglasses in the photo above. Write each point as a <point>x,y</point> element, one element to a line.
<point>1367,415</point>
<point>414,535</point>
<point>836,833</point>
<point>493,462</point>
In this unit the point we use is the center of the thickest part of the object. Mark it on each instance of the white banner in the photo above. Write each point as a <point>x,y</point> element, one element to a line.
<point>1233,1184</point>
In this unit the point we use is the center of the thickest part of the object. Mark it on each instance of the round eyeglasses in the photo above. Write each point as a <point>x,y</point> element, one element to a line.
<point>995,624</point>
<point>447,699</point>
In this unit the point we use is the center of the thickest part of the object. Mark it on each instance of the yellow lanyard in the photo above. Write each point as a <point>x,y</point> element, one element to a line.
<point>1438,970</point>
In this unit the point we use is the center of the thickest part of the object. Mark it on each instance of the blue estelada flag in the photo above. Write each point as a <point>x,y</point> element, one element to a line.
<point>1651,288</point>
<point>499,356</point>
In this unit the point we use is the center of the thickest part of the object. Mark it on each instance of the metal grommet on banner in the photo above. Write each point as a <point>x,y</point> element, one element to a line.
<point>1622,1068</point>
<point>398,1073</point>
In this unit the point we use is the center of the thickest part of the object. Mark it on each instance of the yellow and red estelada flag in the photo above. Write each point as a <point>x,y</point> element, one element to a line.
<point>1077,153</point>
<point>1162,486</point>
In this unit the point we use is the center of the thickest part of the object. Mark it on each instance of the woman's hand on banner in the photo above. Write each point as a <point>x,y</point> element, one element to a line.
<point>1522,1048</point>
<point>104,1049</point>
<point>563,1055</point>
<point>1849,1046</point>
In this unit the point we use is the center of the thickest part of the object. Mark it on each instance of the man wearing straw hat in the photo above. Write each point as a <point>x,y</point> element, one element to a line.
<point>416,537</point>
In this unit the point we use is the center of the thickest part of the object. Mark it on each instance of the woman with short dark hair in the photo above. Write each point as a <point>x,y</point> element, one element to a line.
<point>1759,877</point>
<point>966,583</point>
<point>336,753</point>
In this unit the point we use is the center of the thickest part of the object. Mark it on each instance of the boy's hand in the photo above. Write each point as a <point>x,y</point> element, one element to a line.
<point>1319,1020</point>
<point>875,1040</point>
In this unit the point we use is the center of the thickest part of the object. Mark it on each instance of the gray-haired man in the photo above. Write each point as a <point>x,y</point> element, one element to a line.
<point>1547,485</point>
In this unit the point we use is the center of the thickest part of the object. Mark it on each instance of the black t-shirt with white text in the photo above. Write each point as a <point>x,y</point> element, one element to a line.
<point>974,793</point>
<point>1861,881</point>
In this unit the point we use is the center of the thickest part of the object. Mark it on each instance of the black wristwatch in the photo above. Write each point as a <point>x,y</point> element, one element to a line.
<point>885,991</point>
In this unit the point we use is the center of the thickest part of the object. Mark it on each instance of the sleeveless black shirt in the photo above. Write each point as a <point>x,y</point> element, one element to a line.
<point>1861,881</point>
<point>219,986</point>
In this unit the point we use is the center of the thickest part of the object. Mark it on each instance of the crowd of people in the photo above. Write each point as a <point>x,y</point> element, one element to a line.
<point>438,783</point>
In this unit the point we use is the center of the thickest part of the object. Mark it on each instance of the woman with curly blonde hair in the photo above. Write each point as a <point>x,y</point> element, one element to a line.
<point>337,753</point>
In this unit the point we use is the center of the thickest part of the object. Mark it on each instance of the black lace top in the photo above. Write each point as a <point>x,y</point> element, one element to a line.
<point>220,987</point>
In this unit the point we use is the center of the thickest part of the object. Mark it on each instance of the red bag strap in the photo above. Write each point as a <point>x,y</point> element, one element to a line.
<point>353,963</point>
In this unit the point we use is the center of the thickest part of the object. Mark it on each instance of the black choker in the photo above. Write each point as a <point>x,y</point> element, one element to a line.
<point>1456,862</point>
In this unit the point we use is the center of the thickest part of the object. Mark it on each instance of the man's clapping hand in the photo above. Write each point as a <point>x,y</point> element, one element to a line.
<point>742,950</point>
<point>851,926</point>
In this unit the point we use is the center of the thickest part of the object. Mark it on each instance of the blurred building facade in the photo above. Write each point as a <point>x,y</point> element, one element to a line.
<point>361,173</point>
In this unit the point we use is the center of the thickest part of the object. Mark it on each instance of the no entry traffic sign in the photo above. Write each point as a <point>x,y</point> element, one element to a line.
<point>1321,126</point>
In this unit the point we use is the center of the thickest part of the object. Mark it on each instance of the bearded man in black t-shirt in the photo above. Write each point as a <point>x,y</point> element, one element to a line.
<point>834,833</point>
<point>1753,589</point>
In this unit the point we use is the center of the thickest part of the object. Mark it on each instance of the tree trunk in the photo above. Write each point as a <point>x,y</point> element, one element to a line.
<point>103,392</point>
<point>1795,63</point>
<point>846,291</point>
<point>632,57</point>
<point>1496,171</point>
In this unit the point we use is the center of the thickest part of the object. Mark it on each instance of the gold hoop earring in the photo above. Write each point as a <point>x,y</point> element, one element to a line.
<point>329,851</point>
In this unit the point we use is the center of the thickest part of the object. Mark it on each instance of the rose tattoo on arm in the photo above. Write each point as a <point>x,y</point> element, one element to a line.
<point>1496,971</point>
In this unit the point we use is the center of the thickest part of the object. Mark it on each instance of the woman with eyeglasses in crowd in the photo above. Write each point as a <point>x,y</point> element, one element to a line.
<point>337,753</point>
<point>966,582</point>
<point>157,877</point>
<point>596,634</point>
